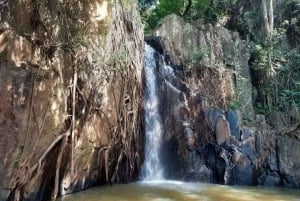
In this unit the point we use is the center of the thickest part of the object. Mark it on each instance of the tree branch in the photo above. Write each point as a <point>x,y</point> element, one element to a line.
<point>187,8</point>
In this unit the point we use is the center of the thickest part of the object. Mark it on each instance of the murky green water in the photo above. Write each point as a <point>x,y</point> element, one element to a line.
<point>181,191</point>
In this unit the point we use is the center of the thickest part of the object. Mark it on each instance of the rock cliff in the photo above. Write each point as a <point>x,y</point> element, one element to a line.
<point>203,47</point>
<point>70,96</point>
<point>203,69</point>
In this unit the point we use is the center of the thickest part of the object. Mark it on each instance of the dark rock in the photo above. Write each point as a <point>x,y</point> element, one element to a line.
<point>272,180</point>
<point>191,161</point>
<point>197,170</point>
<point>225,154</point>
<point>290,181</point>
<point>233,118</point>
<point>248,148</point>
<point>156,43</point>
<point>174,162</point>
<point>212,117</point>
<point>190,137</point>
<point>203,174</point>
<point>220,170</point>
<point>273,163</point>
<point>243,171</point>
<point>288,151</point>
<point>215,163</point>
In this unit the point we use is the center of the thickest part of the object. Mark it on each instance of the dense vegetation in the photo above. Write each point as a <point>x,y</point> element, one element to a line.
<point>275,60</point>
<point>272,29</point>
<point>210,10</point>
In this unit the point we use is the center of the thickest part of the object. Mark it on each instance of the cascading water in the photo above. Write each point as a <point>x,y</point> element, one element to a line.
<point>152,169</point>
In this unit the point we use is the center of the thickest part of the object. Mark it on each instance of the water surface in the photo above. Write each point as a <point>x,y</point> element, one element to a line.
<point>182,191</point>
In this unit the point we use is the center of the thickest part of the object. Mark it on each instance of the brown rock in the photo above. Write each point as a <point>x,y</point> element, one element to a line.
<point>222,130</point>
<point>3,41</point>
<point>20,51</point>
<point>58,121</point>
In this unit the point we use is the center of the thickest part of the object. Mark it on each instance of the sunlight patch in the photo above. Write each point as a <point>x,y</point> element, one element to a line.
<point>101,11</point>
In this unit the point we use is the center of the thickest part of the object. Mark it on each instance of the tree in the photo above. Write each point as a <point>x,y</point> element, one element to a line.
<point>209,10</point>
<point>268,17</point>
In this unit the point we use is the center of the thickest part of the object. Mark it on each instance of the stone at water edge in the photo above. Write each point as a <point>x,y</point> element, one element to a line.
<point>243,170</point>
<point>288,151</point>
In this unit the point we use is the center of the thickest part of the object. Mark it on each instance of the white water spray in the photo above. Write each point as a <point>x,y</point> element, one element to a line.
<point>152,169</point>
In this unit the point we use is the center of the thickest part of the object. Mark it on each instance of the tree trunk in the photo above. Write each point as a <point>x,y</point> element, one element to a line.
<point>187,7</point>
<point>268,17</point>
<point>265,18</point>
<point>271,16</point>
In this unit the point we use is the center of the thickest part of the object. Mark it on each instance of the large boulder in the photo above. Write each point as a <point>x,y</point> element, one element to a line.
<point>288,151</point>
<point>234,119</point>
<point>243,170</point>
<point>222,130</point>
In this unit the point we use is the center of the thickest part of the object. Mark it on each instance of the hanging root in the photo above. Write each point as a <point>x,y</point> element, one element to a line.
<point>26,172</point>
<point>117,167</point>
<point>58,164</point>
<point>106,163</point>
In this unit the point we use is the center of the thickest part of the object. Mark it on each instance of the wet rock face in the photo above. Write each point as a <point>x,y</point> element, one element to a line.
<point>206,149</point>
<point>172,109</point>
<point>197,140</point>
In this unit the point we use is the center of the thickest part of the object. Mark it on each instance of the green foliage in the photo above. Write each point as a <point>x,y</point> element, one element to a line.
<point>261,57</point>
<point>277,63</point>
<point>198,57</point>
<point>210,10</point>
<point>234,104</point>
<point>198,10</point>
<point>164,8</point>
<point>261,108</point>
<point>289,79</point>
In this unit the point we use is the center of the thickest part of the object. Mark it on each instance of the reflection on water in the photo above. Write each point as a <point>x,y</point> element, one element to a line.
<point>181,191</point>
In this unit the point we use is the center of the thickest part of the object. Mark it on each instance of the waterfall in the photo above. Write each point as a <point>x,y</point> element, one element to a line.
<point>152,169</point>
